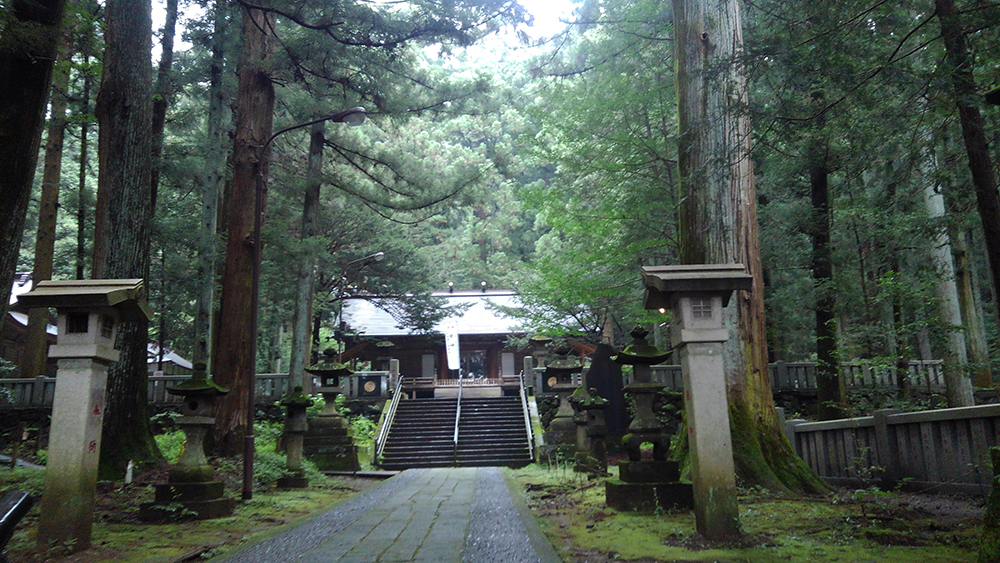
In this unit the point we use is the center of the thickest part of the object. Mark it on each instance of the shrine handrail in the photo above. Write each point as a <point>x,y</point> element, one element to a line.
<point>390,415</point>
<point>527,414</point>
<point>458,415</point>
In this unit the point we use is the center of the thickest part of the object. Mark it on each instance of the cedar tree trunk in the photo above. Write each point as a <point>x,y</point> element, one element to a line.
<point>27,53</point>
<point>235,355</point>
<point>718,224</point>
<point>123,218</point>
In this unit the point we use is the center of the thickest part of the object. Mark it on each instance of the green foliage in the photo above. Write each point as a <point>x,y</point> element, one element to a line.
<point>171,444</point>
<point>23,478</point>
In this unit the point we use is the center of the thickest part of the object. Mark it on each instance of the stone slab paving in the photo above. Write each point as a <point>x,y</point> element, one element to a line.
<point>460,515</point>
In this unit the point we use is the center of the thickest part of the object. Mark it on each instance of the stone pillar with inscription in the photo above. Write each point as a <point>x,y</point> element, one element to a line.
<point>88,315</point>
<point>696,295</point>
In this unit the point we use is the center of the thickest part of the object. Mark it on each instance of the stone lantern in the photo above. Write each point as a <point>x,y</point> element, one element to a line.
<point>588,415</point>
<point>329,441</point>
<point>296,426</point>
<point>89,314</point>
<point>645,485</point>
<point>558,378</point>
<point>191,481</point>
<point>698,295</point>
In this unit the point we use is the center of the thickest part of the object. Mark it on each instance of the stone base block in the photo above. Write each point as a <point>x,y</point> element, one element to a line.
<point>186,492</point>
<point>650,471</point>
<point>191,474</point>
<point>195,509</point>
<point>334,458</point>
<point>647,497</point>
<point>293,483</point>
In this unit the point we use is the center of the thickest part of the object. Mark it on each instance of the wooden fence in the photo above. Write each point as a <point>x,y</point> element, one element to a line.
<point>271,387</point>
<point>39,391</point>
<point>946,450</point>
<point>801,376</point>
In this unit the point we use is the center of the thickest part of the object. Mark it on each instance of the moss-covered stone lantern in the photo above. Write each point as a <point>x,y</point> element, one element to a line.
<point>558,379</point>
<point>296,426</point>
<point>645,485</point>
<point>191,481</point>
<point>329,440</point>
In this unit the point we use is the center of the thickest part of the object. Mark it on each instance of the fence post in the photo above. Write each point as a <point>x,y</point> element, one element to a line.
<point>38,391</point>
<point>884,451</point>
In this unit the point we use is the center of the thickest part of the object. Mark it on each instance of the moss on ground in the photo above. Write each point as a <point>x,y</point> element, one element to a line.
<point>850,527</point>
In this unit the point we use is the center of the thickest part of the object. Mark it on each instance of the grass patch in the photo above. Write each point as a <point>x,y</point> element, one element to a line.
<point>851,527</point>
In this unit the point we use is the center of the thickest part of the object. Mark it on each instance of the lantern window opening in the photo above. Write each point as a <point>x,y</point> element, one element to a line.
<point>77,323</point>
<point>701,308</point>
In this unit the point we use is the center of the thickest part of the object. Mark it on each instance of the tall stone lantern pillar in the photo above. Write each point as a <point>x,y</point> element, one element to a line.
<point>89,312</point>
<point>697,294</point>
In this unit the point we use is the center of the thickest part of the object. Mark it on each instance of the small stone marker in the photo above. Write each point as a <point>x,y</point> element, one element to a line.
<point>89,312</point>
<point>697,294</point>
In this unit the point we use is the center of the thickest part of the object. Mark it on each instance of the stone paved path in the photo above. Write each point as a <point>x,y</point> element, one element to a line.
<point>464,515</point>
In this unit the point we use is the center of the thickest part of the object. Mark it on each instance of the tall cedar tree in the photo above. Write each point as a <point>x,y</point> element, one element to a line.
<point>233,362</point>
<point>29,39</point>
<point>718,224</point>
<point>123,218</point>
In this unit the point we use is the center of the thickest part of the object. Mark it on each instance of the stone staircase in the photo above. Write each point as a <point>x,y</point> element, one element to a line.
<point>491,433</point>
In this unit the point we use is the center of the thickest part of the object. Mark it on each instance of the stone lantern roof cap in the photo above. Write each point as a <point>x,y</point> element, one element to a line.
<point>127,296</point>
<point>662,282</point>
<point>200,383</point>
<point>640,351</point>
<point>329,366</point>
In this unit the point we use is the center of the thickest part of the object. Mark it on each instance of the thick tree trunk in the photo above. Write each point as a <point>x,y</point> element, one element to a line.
<point>235,355</point>
<point>35,339</point>
<point>980,163</point>
<point>25,75</point>
<point>124,220</point>
<point>831,393</point>
<point>215,160</point>
<point>306,278</point>
<point>718,224</point>
<point>958,386</point>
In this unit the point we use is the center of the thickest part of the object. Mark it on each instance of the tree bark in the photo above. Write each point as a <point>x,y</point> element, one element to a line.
<point>718,224</point>
<point>215,160</point>
<point>25,74</point>
<point>124,221</point>
<point>306,278</point>
<point>958,386</point>
<point>978,350</point>
<point>980,163</point>
<point>235,356</point>
<point>35,339</point>
<point>831,393</point>
<point>163,92</point>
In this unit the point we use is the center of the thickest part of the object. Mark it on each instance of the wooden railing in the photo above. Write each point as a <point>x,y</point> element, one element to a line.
<point>39,391</point>
<point>946,450</point>
<point>801,376</point>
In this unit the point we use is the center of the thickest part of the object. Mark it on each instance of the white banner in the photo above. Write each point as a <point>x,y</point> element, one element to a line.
<point>450,329</point>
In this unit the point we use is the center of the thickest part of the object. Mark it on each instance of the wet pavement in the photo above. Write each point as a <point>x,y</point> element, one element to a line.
<point>460,515</point>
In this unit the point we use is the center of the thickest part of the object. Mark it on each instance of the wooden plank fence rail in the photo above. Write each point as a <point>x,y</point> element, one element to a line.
<point>789,376</point>
<point>39,391</point>
<point>946,450</point>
